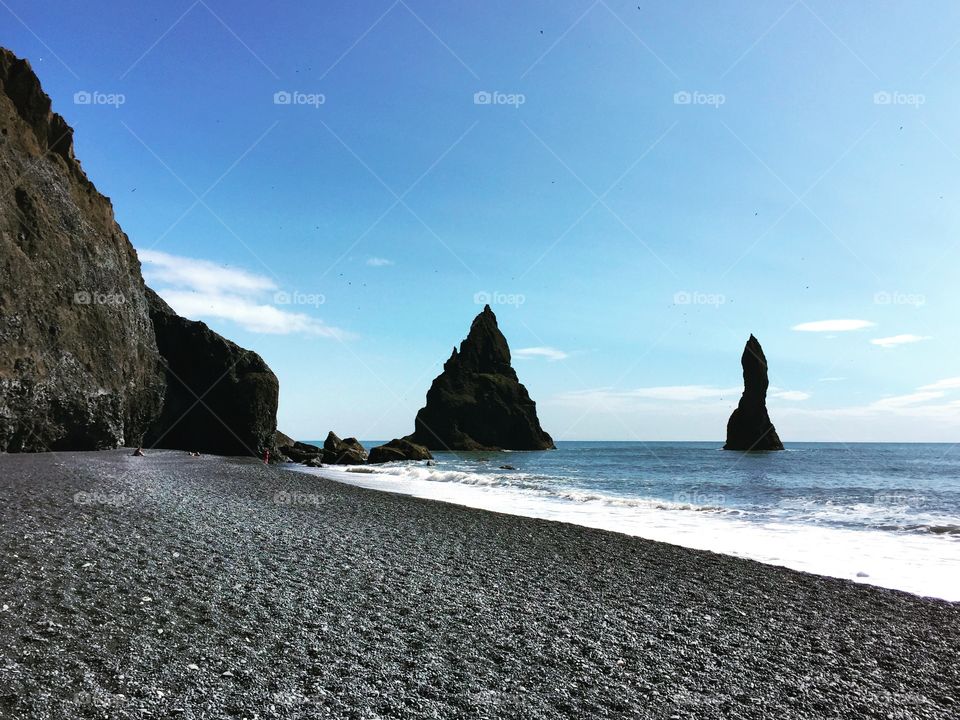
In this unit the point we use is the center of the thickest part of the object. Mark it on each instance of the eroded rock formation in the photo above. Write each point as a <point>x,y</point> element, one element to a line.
<point>398,449</point>
<point>79,367</point>
<point>749,427</point>
<point>477,402</point>
<point>348,451</point>
<point>220,398</point>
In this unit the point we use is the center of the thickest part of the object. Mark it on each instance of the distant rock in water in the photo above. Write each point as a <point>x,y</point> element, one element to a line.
<point>477,402</point>
<point>343,452</point>
<point>749,427</point>
<point>220,398</point>
<point>398,449</point>
<point>79,368</point>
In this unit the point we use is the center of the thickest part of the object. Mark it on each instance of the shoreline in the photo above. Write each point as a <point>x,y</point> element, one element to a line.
<point>795,546</point>
<point>217,587</point>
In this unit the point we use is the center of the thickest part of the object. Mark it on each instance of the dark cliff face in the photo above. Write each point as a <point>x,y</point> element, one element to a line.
<point>749,427</point>
<point>220,398</point>
<point>78,361</point>
<point>80,367</point>
<point>478,402</point>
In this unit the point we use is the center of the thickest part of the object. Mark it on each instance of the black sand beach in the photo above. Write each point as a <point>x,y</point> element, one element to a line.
<point>171,586</point>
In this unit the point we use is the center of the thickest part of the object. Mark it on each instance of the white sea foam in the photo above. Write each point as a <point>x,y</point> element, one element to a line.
<point>921,563</point>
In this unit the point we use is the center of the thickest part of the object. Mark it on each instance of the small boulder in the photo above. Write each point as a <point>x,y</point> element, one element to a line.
<point>301,452</point>
<point>343,452</point>
<point>398,449</point>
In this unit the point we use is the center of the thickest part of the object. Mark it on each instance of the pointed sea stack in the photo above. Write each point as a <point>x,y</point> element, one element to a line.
<point>477,402</point>
<point>749,427</point>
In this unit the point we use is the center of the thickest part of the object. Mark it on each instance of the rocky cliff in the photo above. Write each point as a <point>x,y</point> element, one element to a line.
<point>749,427</point>
<point>220,398</point>
<point>80,367</point>
<point>478,402</point>
<point>78,361</point>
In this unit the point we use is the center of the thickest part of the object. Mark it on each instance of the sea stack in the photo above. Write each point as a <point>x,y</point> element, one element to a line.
<point>478,402</point>
<point>90,358</point>
<point>749,427</point>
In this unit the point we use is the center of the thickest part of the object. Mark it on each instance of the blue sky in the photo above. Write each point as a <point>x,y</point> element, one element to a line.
<point>641,187</point>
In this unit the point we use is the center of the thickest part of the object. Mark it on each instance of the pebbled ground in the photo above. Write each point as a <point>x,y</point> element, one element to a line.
<point>179,587</point>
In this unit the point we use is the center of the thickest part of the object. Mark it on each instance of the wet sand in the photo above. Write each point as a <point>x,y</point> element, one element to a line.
<point>171,586</point>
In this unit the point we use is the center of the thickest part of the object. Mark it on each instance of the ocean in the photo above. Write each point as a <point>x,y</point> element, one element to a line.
<point>882,514</point>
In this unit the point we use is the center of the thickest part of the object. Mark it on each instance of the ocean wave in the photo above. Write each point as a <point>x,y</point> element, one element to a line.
<point>932,529</point>
<point>545,487</point>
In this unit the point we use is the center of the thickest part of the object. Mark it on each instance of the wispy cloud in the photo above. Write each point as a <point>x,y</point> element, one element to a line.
<point>379,262</point>
<point>899,401</point>
<point>551,354</point>
<point>894,340</point>
<point>201,275</point>
<point>952,383</point>
<point>833,325</point>
<point>197,288</point>
<point>791,395</point>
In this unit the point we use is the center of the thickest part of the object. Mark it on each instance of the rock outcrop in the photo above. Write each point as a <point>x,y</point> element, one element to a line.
<point>749,427</point>
<point>286,447</point>
<point>335,451</point>
<point>89,357</point>
<point>79,367</point>
<point>220,398</point>
<point>477,402</point>
<point>343,452</point>
<point>302,452</point>
<point>396,450</point>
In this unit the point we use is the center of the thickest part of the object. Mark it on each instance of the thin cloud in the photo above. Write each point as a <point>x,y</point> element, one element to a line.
<point>899,401</point>
<point>160,268</point>
<point>252,316</point>
<point>791,395</point>
<point>833,325</point>
<point>551,354</point>
<point>200,289</point>
<point>895,340</point>
<point>671,393</point>
<point>945,384</point>
<point>379,262</point>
